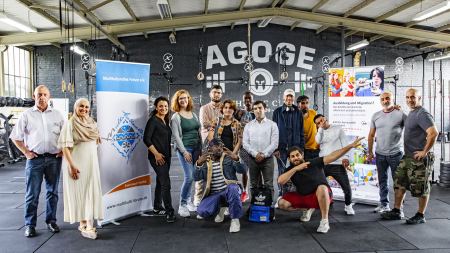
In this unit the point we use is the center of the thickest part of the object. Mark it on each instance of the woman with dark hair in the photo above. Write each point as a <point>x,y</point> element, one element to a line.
<point>157,137</point>
<point>376,86</point>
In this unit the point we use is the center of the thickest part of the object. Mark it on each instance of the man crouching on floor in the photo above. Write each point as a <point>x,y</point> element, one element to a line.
<point>312,187</point>
<point>218,167</point>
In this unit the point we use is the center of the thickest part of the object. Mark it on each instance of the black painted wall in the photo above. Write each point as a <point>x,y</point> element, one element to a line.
<point>185,62</point>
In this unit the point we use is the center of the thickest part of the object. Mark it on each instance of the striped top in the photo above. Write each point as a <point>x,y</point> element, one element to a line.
<point>218,180</point>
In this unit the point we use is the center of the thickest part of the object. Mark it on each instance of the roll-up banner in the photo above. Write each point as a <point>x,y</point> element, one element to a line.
<point>354,96</point>
<point>122,112</point>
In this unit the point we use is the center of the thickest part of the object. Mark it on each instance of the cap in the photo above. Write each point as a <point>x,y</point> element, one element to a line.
<point>289,92</point>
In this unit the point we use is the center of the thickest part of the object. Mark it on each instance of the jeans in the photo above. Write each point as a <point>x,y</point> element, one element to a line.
<point>339,173</point>
<point>162,189</point>
<point>210,205</point>
<point>383,163</point>
<point>35,170</point>
<point>188,169</point>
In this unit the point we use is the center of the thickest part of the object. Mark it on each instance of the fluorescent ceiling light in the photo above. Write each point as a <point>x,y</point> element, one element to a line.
<point>172,38</point>
<point>440,57</point>
<point>433,11</point>
<point>264,22</point>
<point>16,23</point>
<point>164,9</point>
<point>78,50</point>
<point>358,45</point>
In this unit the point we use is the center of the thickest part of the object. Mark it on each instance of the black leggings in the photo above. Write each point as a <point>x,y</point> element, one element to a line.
<point>339,173</point>
<point>162,189</point>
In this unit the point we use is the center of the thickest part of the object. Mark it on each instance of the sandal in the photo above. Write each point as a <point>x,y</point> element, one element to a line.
<point>90,233</point>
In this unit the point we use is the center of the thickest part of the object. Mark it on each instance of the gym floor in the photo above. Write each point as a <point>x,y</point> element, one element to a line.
<point>364,232</point>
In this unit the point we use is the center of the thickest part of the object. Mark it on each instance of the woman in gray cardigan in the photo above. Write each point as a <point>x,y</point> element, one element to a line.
<point>187,141</point>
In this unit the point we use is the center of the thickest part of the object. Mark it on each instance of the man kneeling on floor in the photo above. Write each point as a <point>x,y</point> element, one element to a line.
<point>312,187</point>
<point>218,167</point>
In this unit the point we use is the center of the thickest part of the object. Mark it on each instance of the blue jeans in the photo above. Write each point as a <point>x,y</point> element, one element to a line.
<point>188,169</point>
<point>35,170</point>
<point>383,163</point>
<point>210,205</point>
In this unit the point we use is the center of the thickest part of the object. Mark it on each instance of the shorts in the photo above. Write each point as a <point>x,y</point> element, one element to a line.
<point>414,176</point>
<point>304,201</point>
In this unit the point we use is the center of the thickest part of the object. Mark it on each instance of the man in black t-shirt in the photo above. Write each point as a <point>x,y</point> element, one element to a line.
<point>312,189</point>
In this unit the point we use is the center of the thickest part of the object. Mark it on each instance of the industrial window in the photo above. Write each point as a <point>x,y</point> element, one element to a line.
<point>16,72</point>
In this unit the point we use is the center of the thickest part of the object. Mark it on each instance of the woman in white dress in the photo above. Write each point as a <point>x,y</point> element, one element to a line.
<point>81,176</point>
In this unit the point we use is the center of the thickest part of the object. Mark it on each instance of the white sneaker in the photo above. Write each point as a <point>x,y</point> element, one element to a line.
<point>381,209</point>
<point>349,209</point>
<point>183,211</point>
<point>199,217</point>
<point>227,211</point>
<point>306,215</point>
<point>323,227</point>
<point>276,203</point>
<point>235,226</point>
<point>191,207</point>
<point>220,216</point>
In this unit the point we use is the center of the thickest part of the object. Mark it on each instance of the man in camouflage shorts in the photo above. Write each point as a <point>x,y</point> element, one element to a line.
<point>413,173</point>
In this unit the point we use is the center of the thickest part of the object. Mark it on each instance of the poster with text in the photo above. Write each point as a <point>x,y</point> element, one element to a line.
<point>122,112</point>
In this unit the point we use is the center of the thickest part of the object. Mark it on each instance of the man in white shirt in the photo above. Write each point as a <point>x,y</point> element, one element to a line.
<point>260,140</point>
<point>331,138</point>
<point>36,135</point>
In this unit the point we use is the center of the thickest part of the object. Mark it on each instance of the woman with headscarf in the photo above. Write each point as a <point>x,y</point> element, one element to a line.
<point>81,175</point>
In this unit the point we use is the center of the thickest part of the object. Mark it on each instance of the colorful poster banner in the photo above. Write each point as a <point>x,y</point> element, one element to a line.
<point>353,99</point>
<point>122,112</point>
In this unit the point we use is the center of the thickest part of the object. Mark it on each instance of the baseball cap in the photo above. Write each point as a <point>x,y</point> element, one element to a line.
<point>289,92</point>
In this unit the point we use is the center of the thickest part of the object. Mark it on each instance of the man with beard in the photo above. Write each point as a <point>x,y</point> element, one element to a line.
<point>218,168</point>
<point>36,134</point>
<point>208,115</point>
<point>386,126</point>
<point>310,129</point>
<point>312,189</point>
<point>289,120</point>
<point>414,172</point>
<point>244,116</point>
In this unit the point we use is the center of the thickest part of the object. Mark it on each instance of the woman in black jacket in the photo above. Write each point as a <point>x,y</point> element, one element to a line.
<point>157,138</point>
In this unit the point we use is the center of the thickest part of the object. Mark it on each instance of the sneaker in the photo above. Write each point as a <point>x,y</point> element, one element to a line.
<point>306,215</point>
<point>235,226</point>
<point>170,218</point>
<point>244,196</point>
<point>381,209</point>
<point>349,209</point>
<point>324,226</point>
<point>392,215</point>
<point>191,207</point>
<point>226,212</point>
<point>416,219</point>
<point>183,211</point>
<point>199,217</point>
<point>220,216</point>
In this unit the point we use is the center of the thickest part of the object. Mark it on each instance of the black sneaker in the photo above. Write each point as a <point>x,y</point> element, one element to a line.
<point>416,219</point>
<point>30,231</point>
<point>159,212</point>
<point>170,218</point>
<point>391,215</point>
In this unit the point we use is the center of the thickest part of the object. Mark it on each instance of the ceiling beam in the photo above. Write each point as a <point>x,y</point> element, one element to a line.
<point>397,10</point>
<point>129,10</point>
<point>274,3</point>
<point>283,3</point>
<point>253,14</point>
<point>347,34</point>
<point>401,42</point>
<point>241,7</point>
<point>96,22</point>
<point>95,7</point>
<point>206,12</point>
<point>348,13</point>
<point>376,37</point>
<point>40,12</point>
<point>318,5</point>
<point>426,45</point>
<point>443,28</point>
<point>294,25</point>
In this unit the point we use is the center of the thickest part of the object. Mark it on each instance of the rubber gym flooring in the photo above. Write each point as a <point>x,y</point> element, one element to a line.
<point>364,232</point>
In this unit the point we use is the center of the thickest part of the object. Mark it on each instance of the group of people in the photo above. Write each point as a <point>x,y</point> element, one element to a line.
<point>220,142</point>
